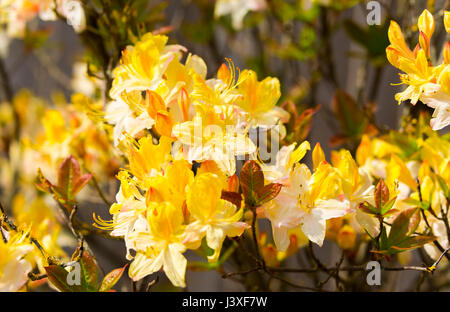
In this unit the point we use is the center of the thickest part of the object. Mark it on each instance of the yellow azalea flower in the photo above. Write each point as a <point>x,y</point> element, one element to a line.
<point>214,217</point>
<point>181,76</point>
<point>308,201</point>
<point>143,65</point>
<point>426,83</point>
<point>401,179</point>
<point>420,78</point>
<point>373,155</point>
<point>129,206</point>
<point>221,90</point>
<point>14,266</point>
<point>212,135</point>
<point>426,27</point>
<point>148,159</point>
<point>128,115</point>
<point>165,247</point>
<point>286,158</point>
<point>173,185</point>
<point>50,135</point>
<point>259,99</point>
<point>356,183</point>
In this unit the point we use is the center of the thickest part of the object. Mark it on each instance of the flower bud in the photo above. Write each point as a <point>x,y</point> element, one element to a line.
<point>346,238</point>
<point>426,23</point>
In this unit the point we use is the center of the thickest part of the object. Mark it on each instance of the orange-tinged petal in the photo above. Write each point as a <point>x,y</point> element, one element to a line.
<point>318,156</point>
<point>416,49</point>
<point>393,56</point>
<point>424,41</point>
<point>184,103</point>
<point>398,40</point>
<point>155,103</point>
<point>164,124</point>
<point>233,184</point>
<point>224,73</point>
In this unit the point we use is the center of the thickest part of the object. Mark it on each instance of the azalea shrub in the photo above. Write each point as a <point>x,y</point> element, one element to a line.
<point>165,152</point>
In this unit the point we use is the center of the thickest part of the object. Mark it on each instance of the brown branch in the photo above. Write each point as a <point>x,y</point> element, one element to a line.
<point>99,191</point>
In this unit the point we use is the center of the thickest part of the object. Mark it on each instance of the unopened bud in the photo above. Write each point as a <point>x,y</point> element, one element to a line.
<point>346,238</point>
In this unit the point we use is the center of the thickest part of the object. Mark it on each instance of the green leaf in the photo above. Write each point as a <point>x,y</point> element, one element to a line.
<point>412,202</point>
<point>252,179</point>
<point>390,213</point>
<point>443,186</point>
<point>206,249</point>
<point>368,208</point>
<point>42,183</point>
<point>356,32</point>
<point>373,39</point>
<point>70,180</point>
<point>89,270</point>
<point>408,145</point>
<point>403,226</point>
<point>232,197</point>
<point>417,203</point>
<point>35,39</point>
<point>57,275</point>
<point>387,207</point>
<point>381,194</point>
<point>414,242</point>
<point>299,124</point>
<point>111,279</point>
<point>350,116</point>
<point>383,240</point>
<point>268,192</point>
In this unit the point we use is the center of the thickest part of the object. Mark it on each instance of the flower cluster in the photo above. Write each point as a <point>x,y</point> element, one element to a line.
<point>415,165</point>
<point>162,209</point>
<point>310,199</point>
<point>426,83</point>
